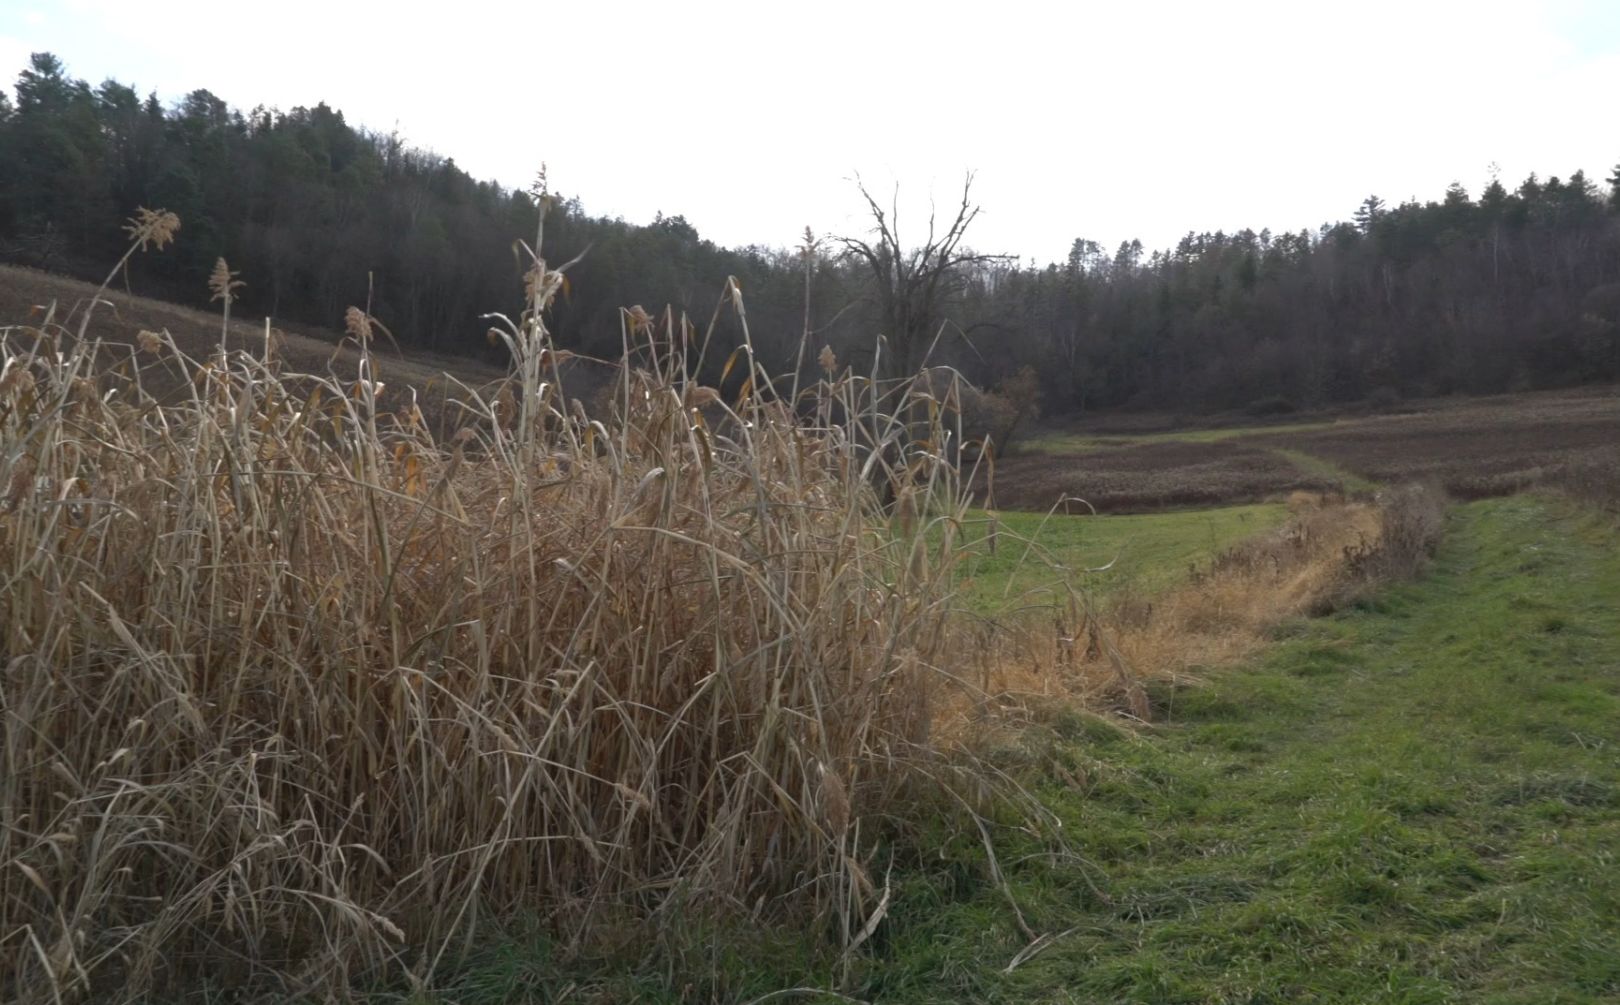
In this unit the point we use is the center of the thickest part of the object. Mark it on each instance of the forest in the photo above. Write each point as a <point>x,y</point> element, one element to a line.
<point>1516,288</point>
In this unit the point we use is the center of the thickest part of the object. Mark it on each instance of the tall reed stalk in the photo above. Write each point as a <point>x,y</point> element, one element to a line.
<point>290,691</point>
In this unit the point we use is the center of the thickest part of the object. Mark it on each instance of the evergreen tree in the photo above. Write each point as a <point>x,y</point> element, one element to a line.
<point>1368,212</point>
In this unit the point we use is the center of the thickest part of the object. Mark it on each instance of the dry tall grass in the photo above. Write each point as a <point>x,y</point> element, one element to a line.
<point>1596,481</point>
<point>291,692</point>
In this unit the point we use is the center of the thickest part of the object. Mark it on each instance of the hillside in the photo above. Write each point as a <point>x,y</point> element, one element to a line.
<point>418,588</point>
<point>1505,287</point>
<point>26,295</point>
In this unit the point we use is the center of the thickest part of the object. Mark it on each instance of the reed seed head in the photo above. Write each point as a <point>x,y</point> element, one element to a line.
<point>156,227</point>
<point>357,323</point>
<point>223,282</point>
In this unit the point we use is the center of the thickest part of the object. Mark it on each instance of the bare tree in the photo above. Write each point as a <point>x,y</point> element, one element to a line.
<point>913,286</point>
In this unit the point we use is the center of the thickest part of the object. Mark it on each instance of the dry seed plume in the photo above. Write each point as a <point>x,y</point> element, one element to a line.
<point>357,323</point>
<point>156,227</point>
<point>222,282</point>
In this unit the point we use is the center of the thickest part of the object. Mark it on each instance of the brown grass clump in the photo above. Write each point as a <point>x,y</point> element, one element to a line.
<point>1411,523</point>
<point>1595,480</point>
<point>293,692</point>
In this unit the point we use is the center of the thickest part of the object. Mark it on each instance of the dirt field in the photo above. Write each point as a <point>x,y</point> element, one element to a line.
<point>1478,448</point>
<point>1149,476</point>
<point>1473,447</point>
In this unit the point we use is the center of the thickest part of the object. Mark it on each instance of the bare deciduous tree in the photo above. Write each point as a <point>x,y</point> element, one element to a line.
<point>912,287</point>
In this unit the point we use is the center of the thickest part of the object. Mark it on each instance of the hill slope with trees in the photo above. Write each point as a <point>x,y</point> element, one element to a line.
<point>1515,289</point>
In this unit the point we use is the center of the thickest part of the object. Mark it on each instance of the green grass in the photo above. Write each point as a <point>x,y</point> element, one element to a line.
<point>1414,801</point>
<point>1148,551</point>
<point>1070,443</point>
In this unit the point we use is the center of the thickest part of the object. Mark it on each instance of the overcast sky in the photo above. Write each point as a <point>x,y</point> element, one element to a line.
<point>1108,121</point>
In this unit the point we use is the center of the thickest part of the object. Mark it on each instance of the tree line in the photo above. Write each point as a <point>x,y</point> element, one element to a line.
<point>1518,288</point>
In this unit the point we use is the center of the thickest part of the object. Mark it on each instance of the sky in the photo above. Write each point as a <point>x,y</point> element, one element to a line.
<point>1108,121</point>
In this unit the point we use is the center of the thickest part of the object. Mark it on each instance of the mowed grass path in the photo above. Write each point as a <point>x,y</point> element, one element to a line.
<point>1414,801</point>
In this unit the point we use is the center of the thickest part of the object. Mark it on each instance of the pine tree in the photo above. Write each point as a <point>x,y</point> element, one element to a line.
<point>1368,212</point>
<point>60,180</point>
<point>8,167</point>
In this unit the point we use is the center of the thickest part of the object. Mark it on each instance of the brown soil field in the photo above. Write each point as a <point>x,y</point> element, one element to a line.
<point>1476,448</point>
<point>1472,447</point>
<point>1148,476</point>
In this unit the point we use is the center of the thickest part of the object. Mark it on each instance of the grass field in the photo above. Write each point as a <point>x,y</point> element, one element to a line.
<point>1414,801</point>
<point>1475,449</point>
<point>1134,553</point>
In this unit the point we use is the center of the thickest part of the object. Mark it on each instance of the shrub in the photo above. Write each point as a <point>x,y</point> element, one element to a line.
<point>996,415</point>
<point>1594,480</point>
<point>1017,402</point>
<point>1412,522</point>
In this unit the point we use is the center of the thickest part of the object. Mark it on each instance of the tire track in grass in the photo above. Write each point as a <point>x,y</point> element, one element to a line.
<point>1311,464</point>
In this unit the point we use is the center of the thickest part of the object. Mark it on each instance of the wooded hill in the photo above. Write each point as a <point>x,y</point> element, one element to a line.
<point>1518,288</point>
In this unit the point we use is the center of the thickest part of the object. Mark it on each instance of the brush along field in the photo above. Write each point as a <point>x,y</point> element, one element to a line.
<point>1100,640</point>
<point>1473,448</point>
